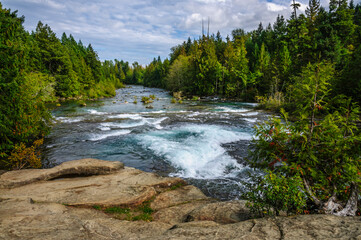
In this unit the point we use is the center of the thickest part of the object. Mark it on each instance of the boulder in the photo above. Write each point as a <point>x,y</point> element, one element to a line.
<point>221,212</point>
<point>181,195</point>
<point>176,214</point>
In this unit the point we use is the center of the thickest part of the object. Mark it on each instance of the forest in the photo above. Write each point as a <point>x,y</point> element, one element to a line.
<point>37,68</point>
<point>263,64</point>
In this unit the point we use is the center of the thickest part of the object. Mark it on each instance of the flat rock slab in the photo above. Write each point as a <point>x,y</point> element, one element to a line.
<point>34,207</point>
<point>127,186</point>
<point>22,220</point>
<point>177,214</point>
<point>82,167</point>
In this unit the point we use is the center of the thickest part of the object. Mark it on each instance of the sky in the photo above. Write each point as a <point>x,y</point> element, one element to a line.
<point>139,30</point>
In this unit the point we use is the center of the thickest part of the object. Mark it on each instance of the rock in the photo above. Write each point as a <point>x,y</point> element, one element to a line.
<point>221,212</point>
<point>83,167</point>
<point>37,204</point>
<point>178,196</point>
<point>126,186</point>
<point>176,214</point>
<point>22,220</point>
<point>297,228</point>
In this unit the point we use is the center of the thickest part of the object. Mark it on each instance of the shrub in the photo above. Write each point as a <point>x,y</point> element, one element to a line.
<point>273,193</point>
<point>146,100</point>
<point>195,98</point>
<point>322,148</point>
<point>25,157</point>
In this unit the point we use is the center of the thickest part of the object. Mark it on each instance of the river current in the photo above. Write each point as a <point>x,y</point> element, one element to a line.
<point>204,142</point>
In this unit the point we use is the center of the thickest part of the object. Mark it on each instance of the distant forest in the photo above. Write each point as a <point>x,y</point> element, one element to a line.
<point>262,65</point>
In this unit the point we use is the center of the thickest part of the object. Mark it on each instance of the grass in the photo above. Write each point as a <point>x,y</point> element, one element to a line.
<point>174,187</point>
<point>117,210</point>
<point>140,213</point>
<point>96,207</point>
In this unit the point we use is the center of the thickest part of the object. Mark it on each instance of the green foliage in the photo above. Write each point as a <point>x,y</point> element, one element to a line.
<point>37,68</point>
<point>117,210</point>
<point>274,193</point>
<point>324,152</point>
<point>147,100</point>
<point>97,207</point>
<point>26,157</point>
<point>267,61</point>
<point>140,213</point>
<point>195,98</point>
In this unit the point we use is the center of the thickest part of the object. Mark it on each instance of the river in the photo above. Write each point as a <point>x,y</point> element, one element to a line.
<point>204,142</point>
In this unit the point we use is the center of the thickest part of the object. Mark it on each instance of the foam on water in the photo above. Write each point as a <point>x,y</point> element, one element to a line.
<point>250,114</point>
<point>69,119</point>
<point>252,120</point>
<point>231,110</point>
<point>144,121</point>
<point>97,137</point>
<point>95,112</point>
<point>195,150</point>
<point>125,115</point>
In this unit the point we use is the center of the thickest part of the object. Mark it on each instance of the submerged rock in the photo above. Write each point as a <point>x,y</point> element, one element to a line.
<point>66,202</point>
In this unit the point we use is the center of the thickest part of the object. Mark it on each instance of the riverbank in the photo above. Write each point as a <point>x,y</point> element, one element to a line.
<point>94,199</point>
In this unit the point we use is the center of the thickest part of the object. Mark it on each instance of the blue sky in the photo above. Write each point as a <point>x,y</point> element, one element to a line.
<point>139,30</point>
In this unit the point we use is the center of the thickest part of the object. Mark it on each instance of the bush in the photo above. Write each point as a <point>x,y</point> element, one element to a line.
<point>323,148</point>
<point>25,157</point>
<point>273,193</point>
<point>146,100</point>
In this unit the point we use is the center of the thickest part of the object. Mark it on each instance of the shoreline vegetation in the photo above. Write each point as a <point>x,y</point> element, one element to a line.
<point>306,67</point>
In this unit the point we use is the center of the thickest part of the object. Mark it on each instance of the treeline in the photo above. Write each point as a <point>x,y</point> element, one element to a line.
<point>263,64</point>
<point>36,68</point>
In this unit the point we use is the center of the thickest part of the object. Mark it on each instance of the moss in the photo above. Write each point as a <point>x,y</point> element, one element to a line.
<point>174,187</point>
<point>118,210</point>
<point>97,207</point>
<point>142,212</point>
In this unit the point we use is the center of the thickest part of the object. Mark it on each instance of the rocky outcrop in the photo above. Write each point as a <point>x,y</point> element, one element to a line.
<point>221,212</point>
<point>83,167</point>
<point>67,202</point>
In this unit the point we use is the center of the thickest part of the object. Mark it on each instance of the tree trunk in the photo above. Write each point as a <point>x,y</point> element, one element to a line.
<point>351,206</point>
<point>331,206</point>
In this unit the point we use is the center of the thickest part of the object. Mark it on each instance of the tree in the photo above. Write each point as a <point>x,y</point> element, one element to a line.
<point>23,115</point>
<point>295,6</point>
<point>325,153</point>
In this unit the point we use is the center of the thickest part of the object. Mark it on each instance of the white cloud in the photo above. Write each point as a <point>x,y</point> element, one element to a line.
<point>139,30</point>
<point>275,7</point>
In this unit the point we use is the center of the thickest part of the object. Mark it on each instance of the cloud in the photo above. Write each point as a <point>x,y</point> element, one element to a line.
<point>139,30</point>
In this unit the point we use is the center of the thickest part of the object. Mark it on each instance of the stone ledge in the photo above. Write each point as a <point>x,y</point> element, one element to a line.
<point>82,167</point>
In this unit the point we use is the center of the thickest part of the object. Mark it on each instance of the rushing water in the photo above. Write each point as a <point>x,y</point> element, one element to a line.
<point>203,142</point>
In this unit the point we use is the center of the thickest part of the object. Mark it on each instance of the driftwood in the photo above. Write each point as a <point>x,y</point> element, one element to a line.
<point>332,206</point>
